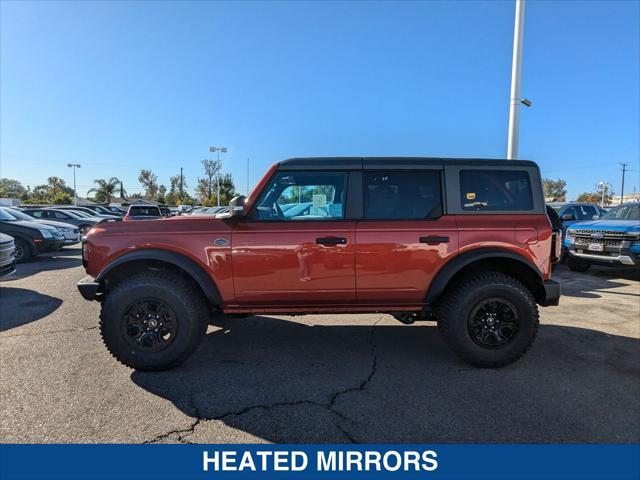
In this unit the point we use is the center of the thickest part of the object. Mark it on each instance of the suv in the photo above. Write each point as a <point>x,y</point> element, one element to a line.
<point>7,256</point>
<point>466,242</point>
<point>614,240</point>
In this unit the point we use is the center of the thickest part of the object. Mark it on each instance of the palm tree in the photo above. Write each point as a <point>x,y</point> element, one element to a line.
<point>105,189</point>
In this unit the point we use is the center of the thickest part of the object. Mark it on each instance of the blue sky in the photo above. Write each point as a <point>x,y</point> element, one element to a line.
<point>120,86</point>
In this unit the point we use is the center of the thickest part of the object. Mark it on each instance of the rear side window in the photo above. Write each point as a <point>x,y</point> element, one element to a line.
<point>402,195</point>
<point>497,190</point>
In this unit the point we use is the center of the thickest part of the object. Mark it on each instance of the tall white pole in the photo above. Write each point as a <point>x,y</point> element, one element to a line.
<point>516,67</point>
<point>75,192</point>
<point>218,181</point>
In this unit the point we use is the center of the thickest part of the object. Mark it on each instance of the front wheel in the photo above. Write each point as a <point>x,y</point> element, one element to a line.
<point>488,319</point>
<point>153,320</point>
<point>23,251</point>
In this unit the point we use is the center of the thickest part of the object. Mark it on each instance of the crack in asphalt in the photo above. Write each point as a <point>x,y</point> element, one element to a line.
<point>330,405</point>
<point>36,334</point>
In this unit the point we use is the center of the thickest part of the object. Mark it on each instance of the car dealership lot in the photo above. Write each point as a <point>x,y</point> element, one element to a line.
<point>343,378</point>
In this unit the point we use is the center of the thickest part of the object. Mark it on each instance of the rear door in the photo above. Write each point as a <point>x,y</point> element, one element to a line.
<point>295,246</point>
<point>403,238</point>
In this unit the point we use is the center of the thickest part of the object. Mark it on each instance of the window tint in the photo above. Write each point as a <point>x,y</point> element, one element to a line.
<point>144,211</point>
<point>587,212</point>
<point>59,215</point>
<point>495,190</point>
<point>571,211</point>
<point>303,196</point>
<point>401,195</point>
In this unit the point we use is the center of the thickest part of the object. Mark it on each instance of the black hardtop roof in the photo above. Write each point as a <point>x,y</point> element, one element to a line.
<point>359,163</point>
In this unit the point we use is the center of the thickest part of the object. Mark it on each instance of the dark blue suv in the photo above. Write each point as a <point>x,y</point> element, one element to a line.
<point>613,240</point>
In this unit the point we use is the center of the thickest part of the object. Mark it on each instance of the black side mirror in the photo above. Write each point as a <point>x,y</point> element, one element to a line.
<point>568,216</point>
<point>236,206</point>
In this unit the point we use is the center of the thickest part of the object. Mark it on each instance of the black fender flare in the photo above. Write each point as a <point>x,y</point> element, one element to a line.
<point>455,265</point>
<point>195,271</point>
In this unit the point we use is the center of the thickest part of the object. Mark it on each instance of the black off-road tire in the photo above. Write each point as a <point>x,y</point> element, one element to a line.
<point>24,247</point>
<point>178,293</point>
<point>458,304</point>
<point>577,265</point>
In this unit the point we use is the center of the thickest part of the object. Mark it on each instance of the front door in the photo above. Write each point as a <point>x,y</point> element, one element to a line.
<point>403,238</point>
<point>294,247</point>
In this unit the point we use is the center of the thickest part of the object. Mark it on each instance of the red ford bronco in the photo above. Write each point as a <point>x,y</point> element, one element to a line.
<point>464,242</point>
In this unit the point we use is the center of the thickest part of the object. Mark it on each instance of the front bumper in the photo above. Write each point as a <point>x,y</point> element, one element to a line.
<point>88,287</point>
<point>49,244</point>
<point>552,294</point>
<point>621,260</point>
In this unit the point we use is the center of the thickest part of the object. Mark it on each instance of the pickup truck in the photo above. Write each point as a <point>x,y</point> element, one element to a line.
<point>465,242</point>
<point>613,240</point>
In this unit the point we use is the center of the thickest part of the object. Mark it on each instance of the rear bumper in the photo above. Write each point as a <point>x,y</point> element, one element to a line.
<point>88,287</point>
<point>551,293</point>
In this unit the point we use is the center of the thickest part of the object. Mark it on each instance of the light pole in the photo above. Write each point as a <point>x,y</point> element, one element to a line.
<point>218,150</point>
<point>75,194</point>
<point>515,100</point>
<point>604,186</point>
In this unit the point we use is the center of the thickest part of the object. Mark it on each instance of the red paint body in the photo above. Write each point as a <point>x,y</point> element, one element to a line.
<point>278,267</point>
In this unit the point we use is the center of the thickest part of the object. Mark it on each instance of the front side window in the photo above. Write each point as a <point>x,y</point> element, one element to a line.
<point>487,190</point>
<point>303,196</point>
<point>401,195</point>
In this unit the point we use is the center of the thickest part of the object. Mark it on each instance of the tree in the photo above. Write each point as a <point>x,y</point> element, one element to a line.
<point>555,189</point>
<point>56,185</point>
<point>596,195</point>
<point>105,189</point>
<point>227,189</point>
<point>62,198</point>
<point>11,188</point>
<point>211,170</point>
<point>175,196</point>
<point>162,191</point>
<point>149,182</point>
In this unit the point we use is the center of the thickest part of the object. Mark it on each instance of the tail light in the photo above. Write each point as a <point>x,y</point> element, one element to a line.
<point>556,245</point>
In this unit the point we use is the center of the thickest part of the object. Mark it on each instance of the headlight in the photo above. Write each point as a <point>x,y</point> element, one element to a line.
<point>46,234</point>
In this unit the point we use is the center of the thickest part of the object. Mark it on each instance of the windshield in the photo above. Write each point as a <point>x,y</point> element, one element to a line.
<point>78,213</point>
<point>18,214</point>
<point>624,212</point>
<point>6,216</point>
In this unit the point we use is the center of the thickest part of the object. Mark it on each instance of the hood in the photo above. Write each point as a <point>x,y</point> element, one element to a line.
<point>164,225</point>
<point>29,224</point>
<point>54,224</point>
<point>629,226</point>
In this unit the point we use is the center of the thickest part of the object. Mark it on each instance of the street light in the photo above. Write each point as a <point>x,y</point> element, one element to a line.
<point>75,194</point>
<point>218,150</point>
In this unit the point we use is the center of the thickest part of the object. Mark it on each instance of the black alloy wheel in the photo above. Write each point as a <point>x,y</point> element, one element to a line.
<point>149,325</point>
<point>493,322</point>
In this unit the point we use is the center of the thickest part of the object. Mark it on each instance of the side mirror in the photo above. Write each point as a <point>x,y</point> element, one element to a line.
<point>568,216</point>
<point>236,206</point>
<point>595,217</point>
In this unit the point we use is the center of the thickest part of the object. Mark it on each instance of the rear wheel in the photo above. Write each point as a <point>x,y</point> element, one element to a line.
<point>488,319</point>
<point>153,321</point>
<point>23,251</point>
<point>577,265</point>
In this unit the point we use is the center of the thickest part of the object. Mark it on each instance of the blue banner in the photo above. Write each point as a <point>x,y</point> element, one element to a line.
<point>292,462</point>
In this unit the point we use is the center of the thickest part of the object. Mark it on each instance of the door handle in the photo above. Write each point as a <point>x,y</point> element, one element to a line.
<point>433,240</point>
<point>331,241</point>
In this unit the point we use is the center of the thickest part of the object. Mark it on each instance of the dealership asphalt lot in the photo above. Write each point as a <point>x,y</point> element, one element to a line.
<point>318,378</point>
